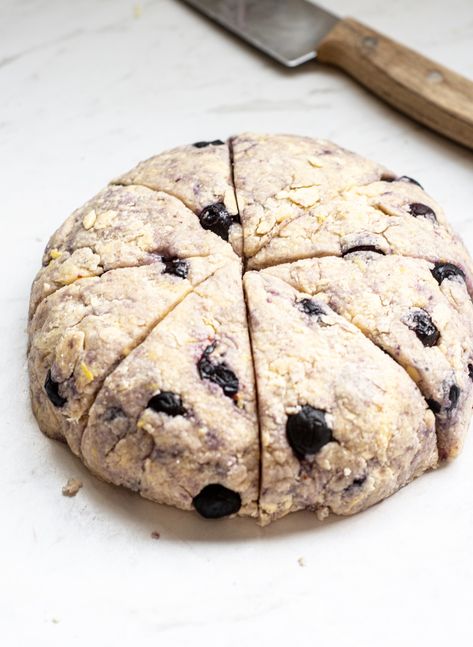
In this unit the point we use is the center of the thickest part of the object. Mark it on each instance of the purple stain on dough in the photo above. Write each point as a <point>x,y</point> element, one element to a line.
<point>113,413</point>
<point>212,440</point>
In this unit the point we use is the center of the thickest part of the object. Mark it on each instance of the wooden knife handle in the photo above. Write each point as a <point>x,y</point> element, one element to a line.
<point>424,90</point>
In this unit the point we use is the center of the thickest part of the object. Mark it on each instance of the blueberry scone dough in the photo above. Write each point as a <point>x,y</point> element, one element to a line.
<point>82,331</point>
<point>342,425</point>
<point>417,312</point>
<point>255,327</point>
<point>146,252</point>
<point>301,198</point>
<point>278,177</point>
<point>201,176</point>
<point>121,227</point>
<point>177,420</point>
<point>350,223</point>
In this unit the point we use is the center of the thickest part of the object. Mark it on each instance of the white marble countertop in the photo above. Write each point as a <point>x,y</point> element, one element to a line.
<point>87,89</point>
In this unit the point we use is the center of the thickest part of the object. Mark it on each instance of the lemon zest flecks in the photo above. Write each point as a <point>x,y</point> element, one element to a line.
<point>87,372</point>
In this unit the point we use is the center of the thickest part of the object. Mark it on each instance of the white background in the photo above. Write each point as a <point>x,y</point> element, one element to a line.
<point>86,90</point>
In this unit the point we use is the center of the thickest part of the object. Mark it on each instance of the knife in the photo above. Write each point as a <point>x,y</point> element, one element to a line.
<point>296,31</point>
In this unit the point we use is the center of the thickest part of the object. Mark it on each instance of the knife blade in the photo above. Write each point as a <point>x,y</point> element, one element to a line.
<point>287,30</point>
<point>296,31</point>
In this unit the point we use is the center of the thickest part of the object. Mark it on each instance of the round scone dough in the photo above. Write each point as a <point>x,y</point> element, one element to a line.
<point>255,327</point>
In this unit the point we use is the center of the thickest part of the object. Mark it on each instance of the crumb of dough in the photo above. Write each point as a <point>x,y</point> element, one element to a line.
<point>301,561</point>
<point>72,487</point>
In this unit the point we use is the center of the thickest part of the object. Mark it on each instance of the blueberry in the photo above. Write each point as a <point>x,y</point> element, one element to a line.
<point>387,177</point>
<point>52,391</point>
<point>311,308</point>
<point>215,501</point>
<point>444,271</point>
<point>175,266</point>
<point>219,374</point>
<point>418,209</point>
<point>168,403</point>
<point>453,396</point>
<point>406,178</point>
<point>307,431</point>
<point>403,178</point>
<point>433,405</point>
<point>470,371</point>
<point>215,142</point>
<point>420,322</point>
<point>363,248</point>
<point>216,218</point>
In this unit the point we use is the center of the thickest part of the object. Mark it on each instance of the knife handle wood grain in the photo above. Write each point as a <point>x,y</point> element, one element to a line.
<point>429,93</point>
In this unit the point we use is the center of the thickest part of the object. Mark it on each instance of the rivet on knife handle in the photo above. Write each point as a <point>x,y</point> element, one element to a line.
<point>429,93</point>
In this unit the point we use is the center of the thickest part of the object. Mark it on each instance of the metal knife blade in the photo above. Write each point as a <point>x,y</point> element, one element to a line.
<point>287,30</point>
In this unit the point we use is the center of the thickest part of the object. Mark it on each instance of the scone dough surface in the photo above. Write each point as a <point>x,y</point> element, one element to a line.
<point>256,327</point>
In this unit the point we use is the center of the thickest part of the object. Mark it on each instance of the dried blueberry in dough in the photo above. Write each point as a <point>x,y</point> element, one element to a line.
<point>443,271</point>
<point>307,431</point>
<point>453,395</point>
<point>204,144</point>
<point>421,323</point>
<point>218,373</point>
<point>216,218</point>
<point>434,406</point>
<point>410,180</point>
<point>311,307</point>
<point>423,210</point>
<point>362,248</point>
<point>215,501</point>
<point>176,266</point>
<point>52,390</point>
<point>168,403</point>
<point>402,178</point>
